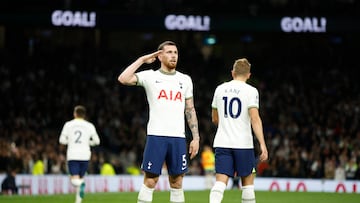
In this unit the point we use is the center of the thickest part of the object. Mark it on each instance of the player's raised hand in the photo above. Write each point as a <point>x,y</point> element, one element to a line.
<point>150,58</point>
<point>127,77</point>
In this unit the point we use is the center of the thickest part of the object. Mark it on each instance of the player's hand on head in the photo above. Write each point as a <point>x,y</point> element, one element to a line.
<point>150,58</point>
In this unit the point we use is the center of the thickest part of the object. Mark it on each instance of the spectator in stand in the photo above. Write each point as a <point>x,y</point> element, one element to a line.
<point>351,169</point>
<point>8,185</point>
<point>329,168</point>
<point>340,173</point>
<point>195,168</point>
<point>38,168</point>
<point>107,169</point>
<point>208,165</point>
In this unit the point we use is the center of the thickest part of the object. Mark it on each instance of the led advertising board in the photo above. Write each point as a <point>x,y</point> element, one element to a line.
<point>179,22</point>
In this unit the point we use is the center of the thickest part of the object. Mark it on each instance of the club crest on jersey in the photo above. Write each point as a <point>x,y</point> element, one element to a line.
<point>149,165</point>
<point>170,95</point>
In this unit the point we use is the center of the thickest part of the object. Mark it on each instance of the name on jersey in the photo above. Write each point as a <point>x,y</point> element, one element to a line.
<point>170,95</point>
<point>235,91</point>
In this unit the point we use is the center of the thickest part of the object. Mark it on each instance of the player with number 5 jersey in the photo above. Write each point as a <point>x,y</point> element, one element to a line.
<point>170,97</point>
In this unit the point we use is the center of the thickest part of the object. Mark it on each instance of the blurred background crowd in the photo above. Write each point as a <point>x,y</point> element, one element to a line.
<point>214,7</point>
<point>308,85</point>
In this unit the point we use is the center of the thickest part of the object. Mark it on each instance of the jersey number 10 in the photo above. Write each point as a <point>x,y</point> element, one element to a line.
<point>230,105</point>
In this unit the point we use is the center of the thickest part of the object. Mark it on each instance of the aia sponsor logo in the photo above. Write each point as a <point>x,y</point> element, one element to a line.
<point>170,95</point>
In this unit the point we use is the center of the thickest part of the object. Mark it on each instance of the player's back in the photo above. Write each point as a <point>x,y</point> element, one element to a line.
<point>232,100</point>
<point>78,133</point>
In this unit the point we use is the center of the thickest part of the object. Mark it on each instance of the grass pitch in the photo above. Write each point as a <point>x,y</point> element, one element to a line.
<point>230,196</point>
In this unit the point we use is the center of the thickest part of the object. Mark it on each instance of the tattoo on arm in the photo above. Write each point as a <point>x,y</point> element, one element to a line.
<point>191,119</point>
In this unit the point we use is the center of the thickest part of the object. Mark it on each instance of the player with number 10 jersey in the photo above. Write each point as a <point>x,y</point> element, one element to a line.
<point>232,100</point>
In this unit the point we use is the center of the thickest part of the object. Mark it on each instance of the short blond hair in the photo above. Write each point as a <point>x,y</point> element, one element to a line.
<point>241,66</point>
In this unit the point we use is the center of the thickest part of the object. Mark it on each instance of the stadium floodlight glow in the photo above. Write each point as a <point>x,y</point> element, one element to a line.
<point>182,22</point>
<point>306,24</point>
<point>210,40</point>
<point>73,18</point>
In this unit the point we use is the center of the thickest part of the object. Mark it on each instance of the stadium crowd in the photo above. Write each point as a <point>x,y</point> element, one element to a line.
<point>310,107</point>
<point>213,7</point>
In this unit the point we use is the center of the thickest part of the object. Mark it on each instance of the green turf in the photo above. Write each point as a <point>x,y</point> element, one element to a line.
<point>231,196</point>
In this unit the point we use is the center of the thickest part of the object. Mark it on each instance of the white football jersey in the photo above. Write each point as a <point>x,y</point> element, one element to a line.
<point>166,94</point>
<point>232,100</point>
<point>79,135</point>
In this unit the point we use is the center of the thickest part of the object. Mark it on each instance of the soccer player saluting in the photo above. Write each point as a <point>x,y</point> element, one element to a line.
<point>170,96</point>
<point>235,111</point>
<point>78,134</point>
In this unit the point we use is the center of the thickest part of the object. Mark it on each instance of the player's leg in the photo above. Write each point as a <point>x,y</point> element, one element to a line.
<point>76,178</point>
<point>246,170</point>
<point>248,192</point>
<point>153,159</point>
<point>147,189</point>
<point>217,191</point>
<point>224,167</point>
<point>177,166</point>
<point>176,190</point>
<point>83,168</point>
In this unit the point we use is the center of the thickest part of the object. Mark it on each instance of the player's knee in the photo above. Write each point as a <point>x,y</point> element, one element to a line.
<point>248,194</point>
<point>176,181</point>
<point>150,182</point>
<point>76,182</point>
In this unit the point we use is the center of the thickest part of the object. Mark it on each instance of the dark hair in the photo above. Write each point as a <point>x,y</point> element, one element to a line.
<point>161,46</point>
<point>80,111</point>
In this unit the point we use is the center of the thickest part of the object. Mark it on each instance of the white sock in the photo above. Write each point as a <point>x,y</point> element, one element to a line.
<point>177,195</point>
<point>248,194</point>
<point>76,183</point>
<point>217,192</point>
<point>145,194</point>
<point>78,199</point>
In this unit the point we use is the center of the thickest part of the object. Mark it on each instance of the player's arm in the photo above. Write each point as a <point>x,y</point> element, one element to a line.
<point>256,124</point>
<point>192,121</point>
<point>127,77</point>
<point>63,139</point>
<point>214,116</point>
<point>94,140</point>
